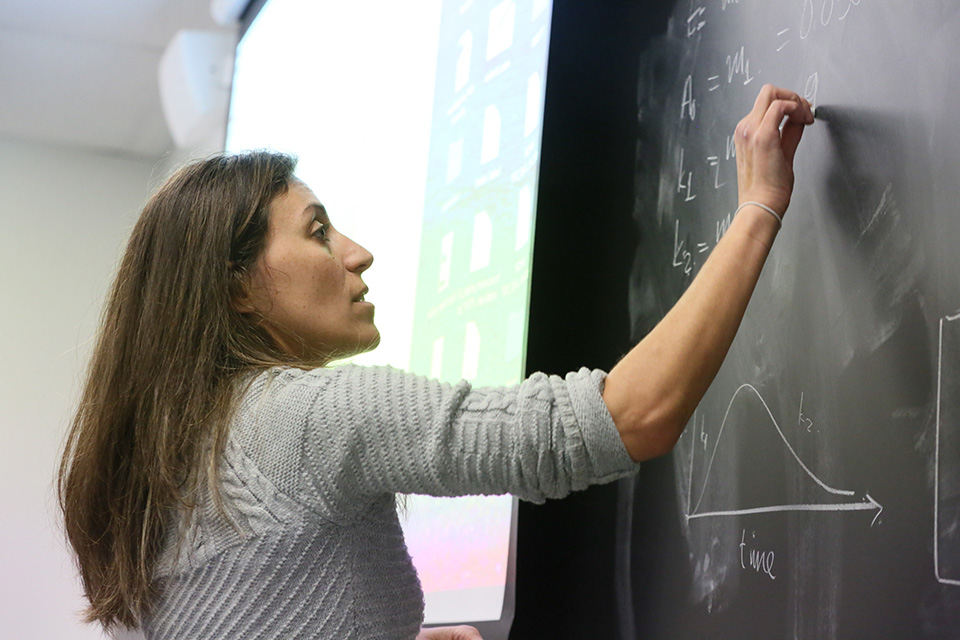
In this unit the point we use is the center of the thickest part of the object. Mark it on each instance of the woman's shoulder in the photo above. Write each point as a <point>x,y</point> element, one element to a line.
<point>282,410</point>
<point>288,394</point>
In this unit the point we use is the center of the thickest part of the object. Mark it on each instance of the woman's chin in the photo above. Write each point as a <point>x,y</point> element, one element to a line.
<point>366,343</point>
<point>372,344</point>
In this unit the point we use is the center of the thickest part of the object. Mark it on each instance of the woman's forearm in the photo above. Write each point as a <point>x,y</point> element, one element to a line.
<point>654,389</point>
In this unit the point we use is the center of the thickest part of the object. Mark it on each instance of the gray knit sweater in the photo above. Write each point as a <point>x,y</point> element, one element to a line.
<point>308,478</point>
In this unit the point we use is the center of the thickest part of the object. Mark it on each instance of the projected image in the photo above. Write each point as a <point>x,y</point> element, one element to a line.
<point>481,178</point>
<point>420,132</point>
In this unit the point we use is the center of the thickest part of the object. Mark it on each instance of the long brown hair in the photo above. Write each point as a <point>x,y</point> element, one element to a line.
<point>170,355</point>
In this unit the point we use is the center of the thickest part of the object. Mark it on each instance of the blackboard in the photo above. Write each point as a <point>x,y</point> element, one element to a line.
<point>816,491</point>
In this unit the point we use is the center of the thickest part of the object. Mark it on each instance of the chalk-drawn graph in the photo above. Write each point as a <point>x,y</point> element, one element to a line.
<point>834,499</point>
<point>946,518</point>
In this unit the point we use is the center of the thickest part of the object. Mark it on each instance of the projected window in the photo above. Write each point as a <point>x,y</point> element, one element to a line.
<point>418,126</point>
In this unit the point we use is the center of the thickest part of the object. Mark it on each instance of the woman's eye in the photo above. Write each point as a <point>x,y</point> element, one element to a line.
<point>321,233</point>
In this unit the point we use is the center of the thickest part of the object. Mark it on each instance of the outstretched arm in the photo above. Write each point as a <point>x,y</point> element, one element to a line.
<point>654,389</point>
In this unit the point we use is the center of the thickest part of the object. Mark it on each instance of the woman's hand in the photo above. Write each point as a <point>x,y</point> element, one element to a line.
<point>765,151</point>
<point>463,632</point>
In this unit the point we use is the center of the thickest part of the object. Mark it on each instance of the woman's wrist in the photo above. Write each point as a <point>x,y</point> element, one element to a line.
<point>753,203</point>
<point>758,222</point>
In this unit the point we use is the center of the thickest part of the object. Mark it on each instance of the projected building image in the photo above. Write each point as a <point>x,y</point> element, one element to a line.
<point>418,126</point>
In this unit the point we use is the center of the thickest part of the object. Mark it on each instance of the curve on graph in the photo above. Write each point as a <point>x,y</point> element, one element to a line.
<point>740,389</point>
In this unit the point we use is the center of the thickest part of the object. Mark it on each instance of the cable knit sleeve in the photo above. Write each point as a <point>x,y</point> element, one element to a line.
<point>375,430</point>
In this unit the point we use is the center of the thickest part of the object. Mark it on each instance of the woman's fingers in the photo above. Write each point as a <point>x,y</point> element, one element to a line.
<point>772,105</point>
<point>468,633</point>
<point>767,140</point>
<point>788,136</point>
<point>462,632</point>
<point>769,93</point>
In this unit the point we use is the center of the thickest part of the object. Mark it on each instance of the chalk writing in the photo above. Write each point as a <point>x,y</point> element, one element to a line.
<point>730,147</point>
<point>759,560</point>
<point>810,88</point>
<point>688,106</point>
<point>722,225</point>
<point>830,11</point>
<point>696,22</point>
<point>781,34</point>
<point>738,66</point>
<point>803,421</point>
<point>685,185</point>
<point>681,257</point>
<point>849,5</point>
<point>684,255</point>
<point>714,161</point>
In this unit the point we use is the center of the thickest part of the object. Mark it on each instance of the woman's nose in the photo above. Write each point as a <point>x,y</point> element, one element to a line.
<point>357,258</point>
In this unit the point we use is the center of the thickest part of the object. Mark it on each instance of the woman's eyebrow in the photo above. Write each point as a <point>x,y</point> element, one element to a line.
<point>316,211</point>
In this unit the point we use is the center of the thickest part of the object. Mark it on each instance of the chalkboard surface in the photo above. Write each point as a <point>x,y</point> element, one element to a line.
<point>816,491</point>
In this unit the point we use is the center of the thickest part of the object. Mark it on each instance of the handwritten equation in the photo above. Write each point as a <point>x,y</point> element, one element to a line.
<point>704,162</point>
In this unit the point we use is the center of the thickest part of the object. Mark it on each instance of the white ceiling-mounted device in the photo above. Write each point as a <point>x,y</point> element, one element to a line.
<point>228,12</point>
<point>195,73</point>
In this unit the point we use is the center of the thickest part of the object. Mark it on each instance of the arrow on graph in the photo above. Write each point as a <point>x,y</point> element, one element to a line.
<point>867,504</point>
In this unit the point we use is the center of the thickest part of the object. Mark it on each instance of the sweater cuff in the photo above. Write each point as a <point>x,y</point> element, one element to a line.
<point>606,454</point>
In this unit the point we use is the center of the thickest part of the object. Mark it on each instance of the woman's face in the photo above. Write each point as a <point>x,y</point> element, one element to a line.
<point>307,285</point>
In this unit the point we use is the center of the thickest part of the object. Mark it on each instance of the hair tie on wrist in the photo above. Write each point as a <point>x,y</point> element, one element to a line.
<point>762,206</point>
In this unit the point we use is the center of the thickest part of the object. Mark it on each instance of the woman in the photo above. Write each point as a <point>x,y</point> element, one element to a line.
<point>219,482</point>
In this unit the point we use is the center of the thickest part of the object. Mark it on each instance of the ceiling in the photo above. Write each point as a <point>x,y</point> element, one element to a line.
<point>84,72</point>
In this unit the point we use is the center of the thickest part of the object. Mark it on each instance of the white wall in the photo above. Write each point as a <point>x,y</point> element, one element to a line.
<point>64,217</point>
